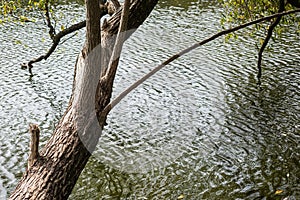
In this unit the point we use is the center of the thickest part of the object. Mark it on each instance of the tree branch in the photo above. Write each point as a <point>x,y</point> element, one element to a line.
<point>115,57</point>
<point>55,42</point>
<point>49,24</point>
<point>138,13</point>
<point>34,144</point>
<point>108,78</point>
<point>93,30</point>
<point>57,37</point>
<point>113,103</point>
<point>265,43</point>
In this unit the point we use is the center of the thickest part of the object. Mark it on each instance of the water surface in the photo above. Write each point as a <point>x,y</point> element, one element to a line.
<point>200,128</point>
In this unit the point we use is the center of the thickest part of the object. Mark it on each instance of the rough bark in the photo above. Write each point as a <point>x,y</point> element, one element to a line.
<point>54,173</point>
<point>138,12</point>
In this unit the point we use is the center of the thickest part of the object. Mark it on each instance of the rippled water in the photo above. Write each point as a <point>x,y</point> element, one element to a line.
<point>200,128</point>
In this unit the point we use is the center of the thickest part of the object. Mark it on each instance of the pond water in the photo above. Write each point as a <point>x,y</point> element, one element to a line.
<point>198,129</point>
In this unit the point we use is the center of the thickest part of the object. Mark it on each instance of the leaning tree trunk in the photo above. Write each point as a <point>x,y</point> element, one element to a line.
<point>53,174</point>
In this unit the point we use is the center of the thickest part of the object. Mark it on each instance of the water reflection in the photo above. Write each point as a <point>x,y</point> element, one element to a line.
<point>199,128</point>
<point>41,100</point>
<point>232,138</point>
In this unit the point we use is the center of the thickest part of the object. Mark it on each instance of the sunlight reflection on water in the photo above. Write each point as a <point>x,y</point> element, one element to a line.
<point>200,127</point>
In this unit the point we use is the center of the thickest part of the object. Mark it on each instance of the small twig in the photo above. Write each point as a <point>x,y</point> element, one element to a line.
<point>56,39</point>
<point>265,43</point>
<point>113,103</point>
<point>48,19</point>
<point>68,38</point>
<point>71,29</point>
<point>55,43</point>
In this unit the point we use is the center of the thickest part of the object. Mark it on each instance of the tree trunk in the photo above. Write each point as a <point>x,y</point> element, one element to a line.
<point>53,174</point>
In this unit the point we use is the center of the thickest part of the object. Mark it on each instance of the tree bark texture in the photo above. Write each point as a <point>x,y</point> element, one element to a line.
<point>55,171</point>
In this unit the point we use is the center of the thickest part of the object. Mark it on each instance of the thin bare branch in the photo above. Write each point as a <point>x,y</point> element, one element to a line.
<point>113,103</point>
<point>265,43</point>
<point>56,39</point>
<point>71,29</point>
<point>115,57</point>
<point>65,40</point>
<point>48,19</point>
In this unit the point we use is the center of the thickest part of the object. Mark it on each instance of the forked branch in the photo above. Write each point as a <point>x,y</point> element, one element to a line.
<point>55,42</point>
<point>56,38</point>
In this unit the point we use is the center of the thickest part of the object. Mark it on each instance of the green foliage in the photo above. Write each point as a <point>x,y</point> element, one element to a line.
<point>15,10</point>
<point>8,7</point>
<point>249,9</point>
<point>241,11</point>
